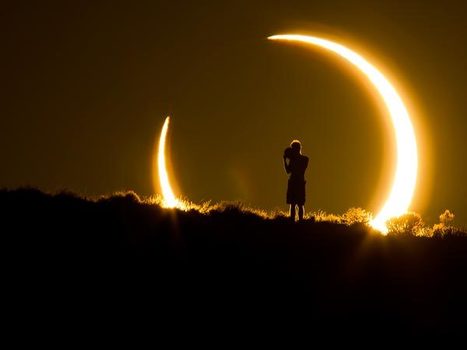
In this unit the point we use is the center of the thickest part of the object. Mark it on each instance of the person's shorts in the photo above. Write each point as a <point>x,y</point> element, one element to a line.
<point>296,191</point>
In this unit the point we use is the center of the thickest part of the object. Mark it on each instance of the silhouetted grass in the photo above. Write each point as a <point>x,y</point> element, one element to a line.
<point>69,257</point>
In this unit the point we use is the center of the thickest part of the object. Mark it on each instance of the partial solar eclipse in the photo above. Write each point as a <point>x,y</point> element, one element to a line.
<point>405,176</point>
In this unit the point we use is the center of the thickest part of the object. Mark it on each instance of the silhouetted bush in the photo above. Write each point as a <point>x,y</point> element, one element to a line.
<point>356,216</point>
<point>405,225</point>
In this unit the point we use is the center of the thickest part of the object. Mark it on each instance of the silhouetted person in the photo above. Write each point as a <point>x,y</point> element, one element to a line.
<point>295,164</point>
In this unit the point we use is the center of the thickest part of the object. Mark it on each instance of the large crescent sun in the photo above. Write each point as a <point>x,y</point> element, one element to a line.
<point>405,176</point>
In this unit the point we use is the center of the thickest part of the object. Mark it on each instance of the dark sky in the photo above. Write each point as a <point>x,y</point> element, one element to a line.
<point>85,87</point>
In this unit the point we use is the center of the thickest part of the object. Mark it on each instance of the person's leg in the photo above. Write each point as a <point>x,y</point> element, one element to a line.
<point>301,211</point>
<point>292,212</point>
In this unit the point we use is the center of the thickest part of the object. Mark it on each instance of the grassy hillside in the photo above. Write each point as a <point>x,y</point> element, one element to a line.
<point>73,258</point>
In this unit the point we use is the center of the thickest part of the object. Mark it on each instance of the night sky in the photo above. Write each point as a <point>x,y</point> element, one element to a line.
<point>86,85</point>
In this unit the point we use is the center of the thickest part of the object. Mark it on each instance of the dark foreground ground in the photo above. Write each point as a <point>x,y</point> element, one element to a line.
<point>79,266</point>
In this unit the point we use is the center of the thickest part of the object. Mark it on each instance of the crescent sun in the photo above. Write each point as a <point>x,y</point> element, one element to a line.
<point>168,196</point>
<point>405,176</point>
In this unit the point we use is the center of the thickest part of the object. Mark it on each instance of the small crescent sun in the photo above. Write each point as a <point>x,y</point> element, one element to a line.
<point>169,199</point>
<point>405,176</point>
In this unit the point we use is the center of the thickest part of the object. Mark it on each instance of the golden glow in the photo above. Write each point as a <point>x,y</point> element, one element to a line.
<point>405,176</point>
<point>169,199</point>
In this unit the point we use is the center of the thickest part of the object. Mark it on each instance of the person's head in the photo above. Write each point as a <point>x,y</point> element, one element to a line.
<point>296,146</point>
